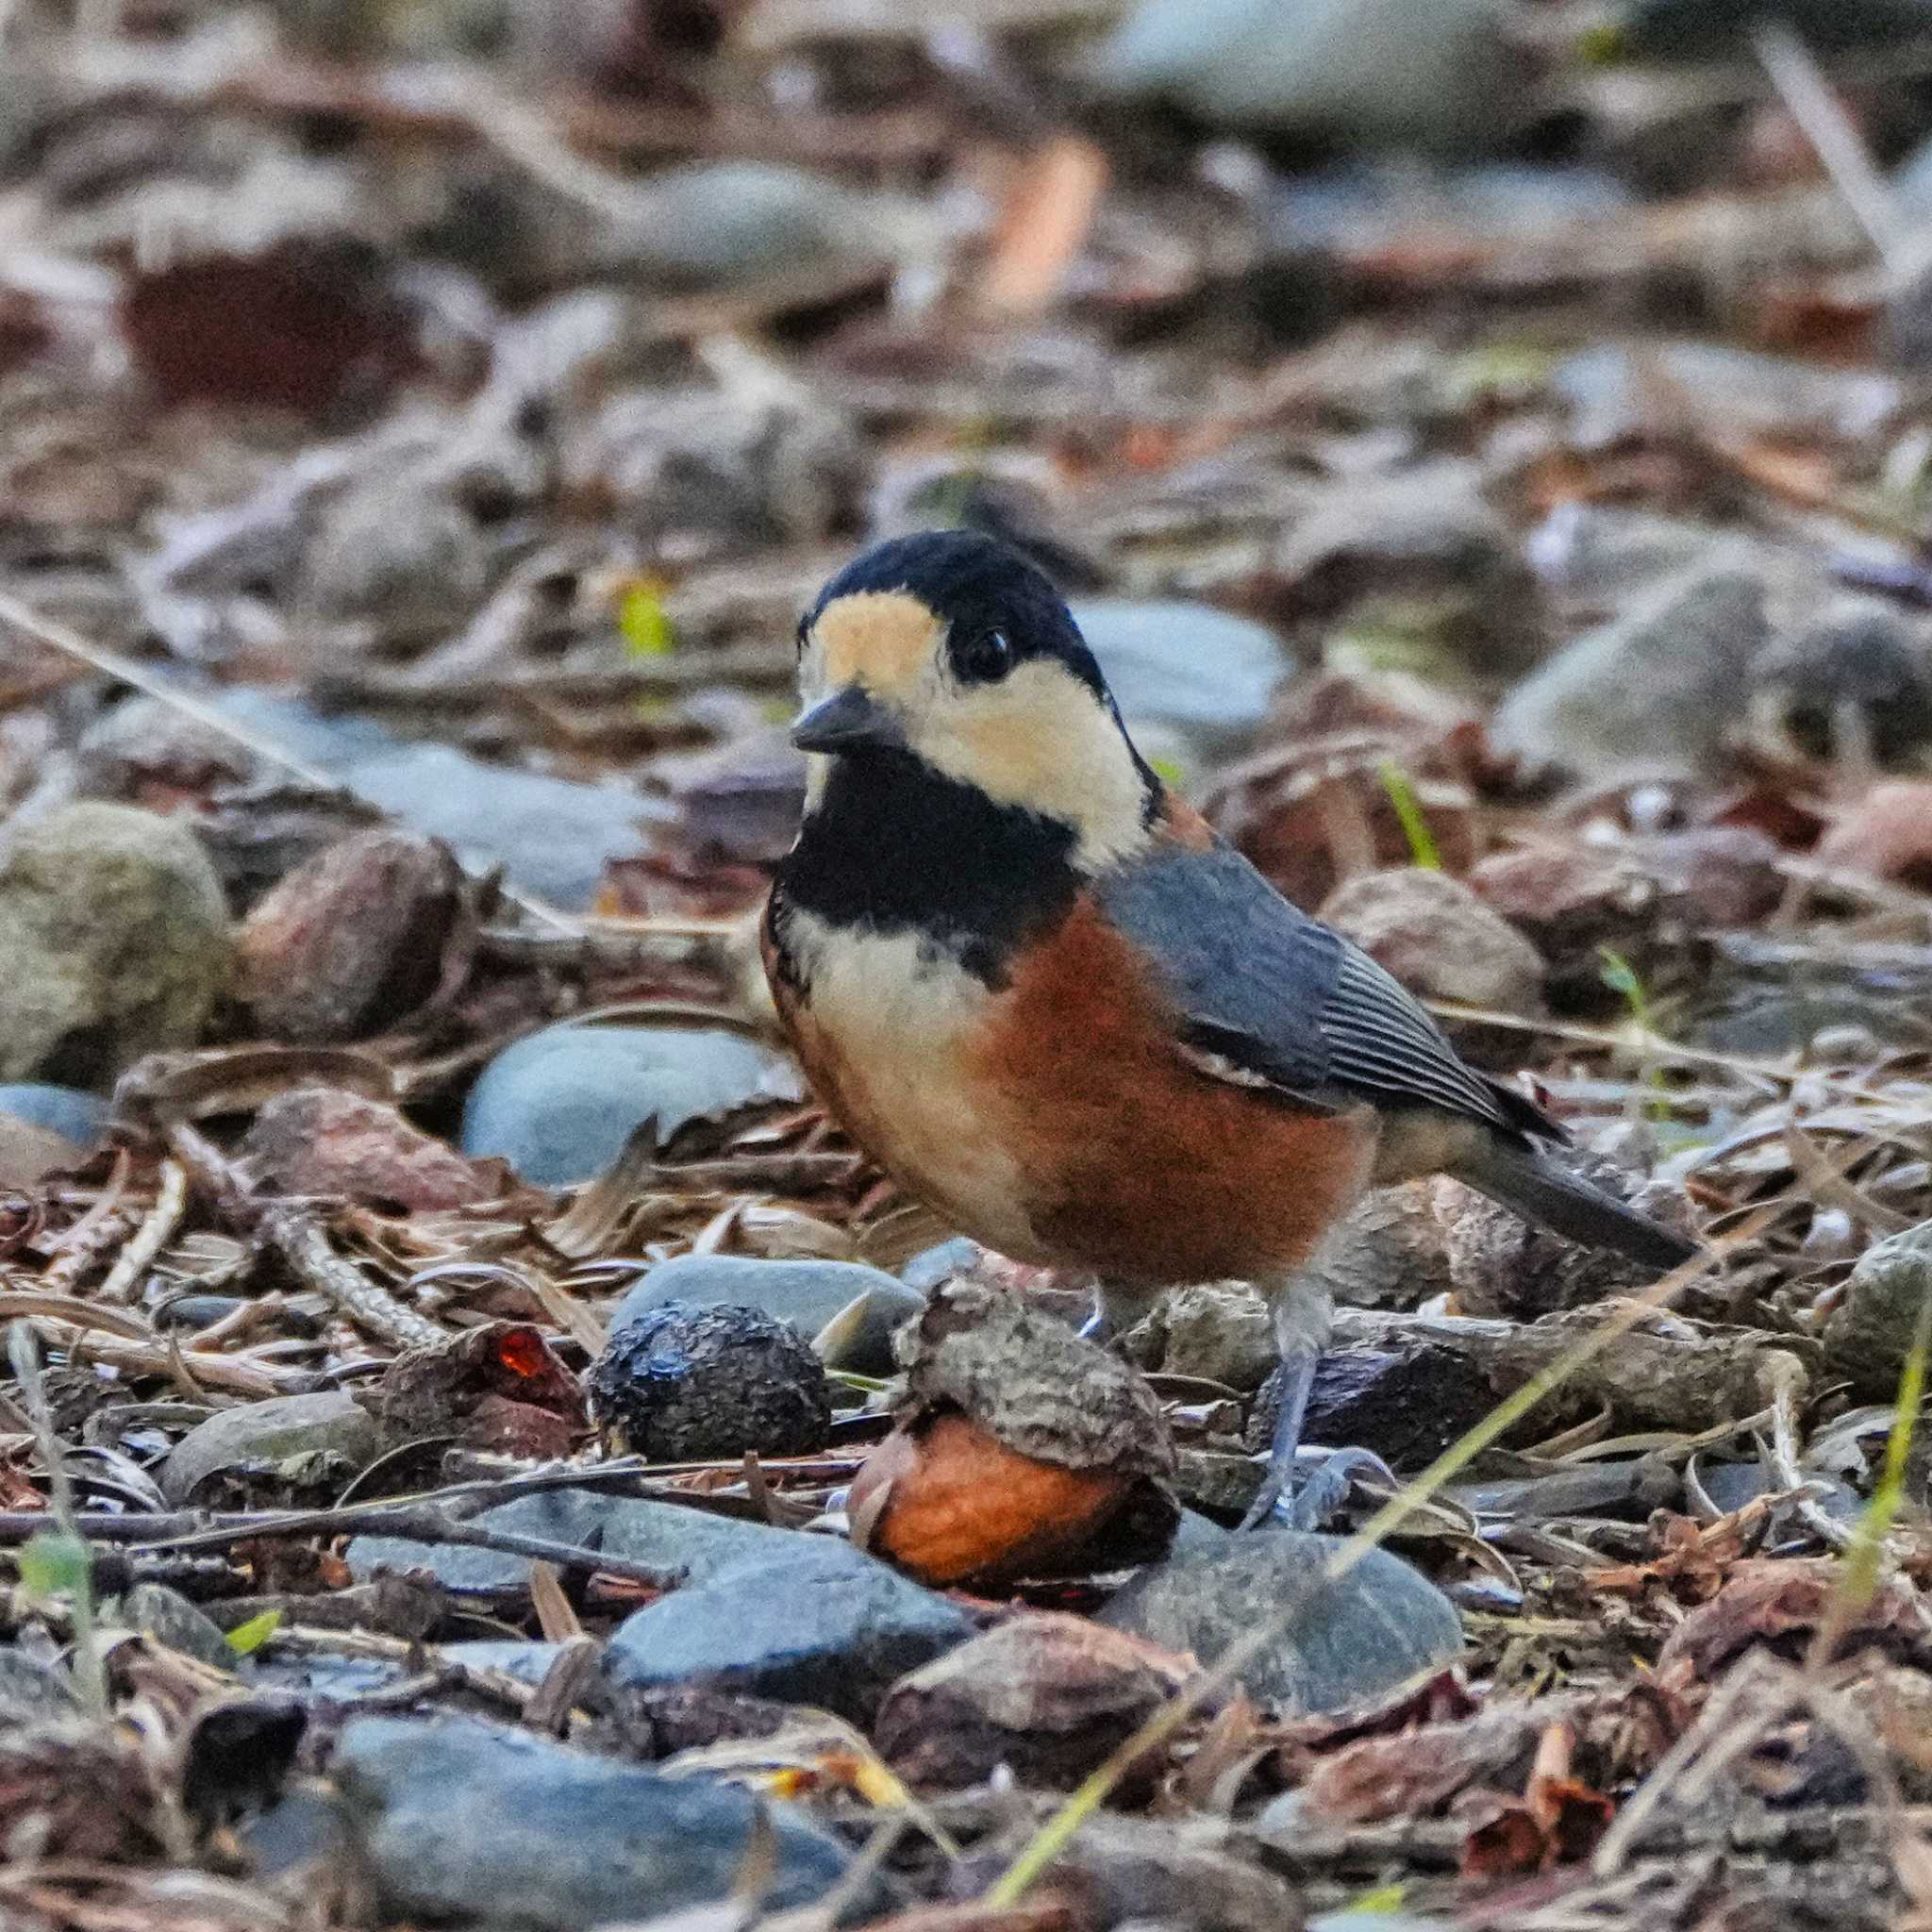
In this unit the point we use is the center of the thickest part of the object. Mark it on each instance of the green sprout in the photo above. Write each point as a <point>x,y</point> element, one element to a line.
<point>1422,851</point>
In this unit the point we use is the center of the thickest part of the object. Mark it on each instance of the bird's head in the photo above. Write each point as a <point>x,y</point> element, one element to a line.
<point>950,649</point>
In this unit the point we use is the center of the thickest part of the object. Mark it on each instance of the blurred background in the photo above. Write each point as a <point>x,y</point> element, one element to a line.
<point>1487,438</point>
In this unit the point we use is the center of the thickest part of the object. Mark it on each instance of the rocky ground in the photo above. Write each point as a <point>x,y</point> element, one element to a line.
<point>477,1447</point>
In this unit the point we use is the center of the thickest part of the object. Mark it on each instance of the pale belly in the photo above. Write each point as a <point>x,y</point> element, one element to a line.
<point>886,1035</point>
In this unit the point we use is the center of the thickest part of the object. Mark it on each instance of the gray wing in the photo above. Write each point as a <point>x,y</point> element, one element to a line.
<point>1286,1001</point>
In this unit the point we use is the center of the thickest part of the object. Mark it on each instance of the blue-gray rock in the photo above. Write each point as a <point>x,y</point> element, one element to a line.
<point>1870,1332</point>
<point>933,1265</point>
<point>1201,675</point>
<point>171,1619</point>
<point>81,1118</point>
<point>30,1689</point>
<point>526,1660</point>
<point>695,1543</point>
<point>560,1105</point>
<point>1340,1643</point>
<point>456,1819</point>
<point>808,1294</point>
<point>826,1625</point>
<point>552,836</point>
<point>1444,78</point>
<point>301,1441</point>
<point>113,942</point>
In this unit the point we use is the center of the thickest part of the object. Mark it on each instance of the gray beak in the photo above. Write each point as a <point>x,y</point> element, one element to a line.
<point>849,719</point>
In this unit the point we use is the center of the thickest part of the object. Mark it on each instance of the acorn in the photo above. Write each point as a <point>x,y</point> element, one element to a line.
<point>1017,1444</point>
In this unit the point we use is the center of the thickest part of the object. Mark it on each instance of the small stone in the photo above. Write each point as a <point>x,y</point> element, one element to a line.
<point>825,1625</point>
<point>1870,1332</point>
<point>390,550</point>
<point>679,1384</point>
<point>1854,687</point>
<point>1342,1644</point>
<point>1048,1695</point>
<point>694,1543</point>
<point>701,470</point>
<point>1571,902</point>
<point>113,942</point>
<point>1442,80</point>
<point>456,1819</point>
<point>1391,1251</point>
<point>1655,689</point>
<point>1203,677</point>
<point>31,1691</point>
<point>1407,1406</point>
<point>809,1295</point>
<point>719,224</point>
<point>528,1662</point>
<point>170,1619</point>
<point>146,752</point>
<point>352,942</point>
<point>81,1118</point>
<point>1719,875</point>
<point>1442,942</point>
<point>1422,556</point>
<point>305,1444</point>
<point>322,1141</point>
<point>560,1105</point>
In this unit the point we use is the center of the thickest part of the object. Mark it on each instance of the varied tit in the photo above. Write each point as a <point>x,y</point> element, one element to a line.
<point>1049,1001</point>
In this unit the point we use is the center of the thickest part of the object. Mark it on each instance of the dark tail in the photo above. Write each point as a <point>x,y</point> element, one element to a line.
<point>1535,1185</point>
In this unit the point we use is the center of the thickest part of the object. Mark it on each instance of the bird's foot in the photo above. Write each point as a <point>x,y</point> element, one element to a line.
<point>1315,1499</point>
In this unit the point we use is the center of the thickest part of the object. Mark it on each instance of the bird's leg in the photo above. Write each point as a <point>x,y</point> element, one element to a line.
<point>1116,1308</point>
<point>1302,1310</point>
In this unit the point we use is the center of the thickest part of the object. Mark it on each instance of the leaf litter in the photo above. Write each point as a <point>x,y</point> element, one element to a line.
<point>420,432</point>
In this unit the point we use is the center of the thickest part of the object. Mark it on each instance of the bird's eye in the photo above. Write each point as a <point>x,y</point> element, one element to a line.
<point>984,658</point>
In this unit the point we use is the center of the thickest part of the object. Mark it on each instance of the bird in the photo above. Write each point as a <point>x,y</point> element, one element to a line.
<point>1058,1009</point>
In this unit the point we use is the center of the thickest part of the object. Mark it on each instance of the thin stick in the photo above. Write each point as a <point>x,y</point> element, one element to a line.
<point>1821,116</point>
<point>151,1237</point>
<point>59,636</point>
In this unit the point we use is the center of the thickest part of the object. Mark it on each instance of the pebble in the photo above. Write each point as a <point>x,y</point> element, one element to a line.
<point>679,1384</point>
<point>715,224</point>
<point>457,1818</point>
<point>81,1118</point>
<point>695,1543</point>
<point>322,1141</point>
<point>1870,1330</point>
<point>113,942</point>
<point>560,1105</point>
<point>1221,1333</point>
<point>1655,689</point>
<point>1200,677</point>
<point>171,1619</point>
<point>809,1295</point>
<point>1373,74</point>
<point>1348,1642</point>
<point>390,550</point>
<point>301,1441</point>
<point>31,1691</point>
<point>350,942</point>
<point>821,1624</point>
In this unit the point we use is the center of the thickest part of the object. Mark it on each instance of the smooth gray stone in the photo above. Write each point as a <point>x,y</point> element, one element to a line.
<point>76,1116</point>
<point>560,1105</point>
<point>827,1625</point>
<point>1340,1644</point>
<point>552,836</point>
<point>692,1542</point>
<point>529,1662</point>
<point>30,1689</point>
<point>297,1438</point>
<point>113,942</point>
<point>170,1619</point>
<point>1204,674</point>
<point>808,1294</point>
<point>456,1819</point>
